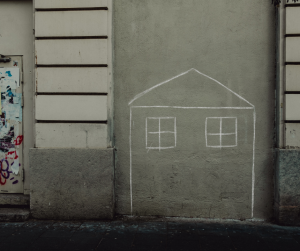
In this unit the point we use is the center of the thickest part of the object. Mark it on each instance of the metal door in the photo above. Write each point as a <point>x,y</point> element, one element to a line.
<point>11,126</point>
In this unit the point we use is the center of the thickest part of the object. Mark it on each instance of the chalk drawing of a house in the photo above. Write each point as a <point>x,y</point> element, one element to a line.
<point>192,143</point>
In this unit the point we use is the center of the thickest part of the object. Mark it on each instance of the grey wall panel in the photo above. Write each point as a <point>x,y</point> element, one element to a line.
<point>229,41</point>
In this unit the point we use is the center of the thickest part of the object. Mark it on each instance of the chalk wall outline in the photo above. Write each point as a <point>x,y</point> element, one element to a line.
<point>181,74</point>
<point>181,107</point>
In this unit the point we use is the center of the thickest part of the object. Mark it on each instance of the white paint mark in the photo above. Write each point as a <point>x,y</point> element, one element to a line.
<point>220,133</point>
<point>150,89</point>
<point>160,132</point>
<point>221,119</point>
<point>160,148</point>
<point>236,132</point>
<point>15,166</point>
<point>149,149</point>
<point>206,131</point>
<point>181,107</point>
<point>159,144</point>
<point>144,92</point>
<point>161,117</point>
<point>253,170</point>
<point>146,132</point>
<point>130,162</point>
<point>175,131</point>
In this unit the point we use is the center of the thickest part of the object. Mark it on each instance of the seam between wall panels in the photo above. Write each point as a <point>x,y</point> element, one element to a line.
<point>72,37</point>
<point>291,5</point>
<point>110,87</point>
<point>71,121</point>
<point>70,9</point>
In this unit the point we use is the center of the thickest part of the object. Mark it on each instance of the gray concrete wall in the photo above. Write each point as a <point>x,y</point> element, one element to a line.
<point>71,184</point>
<point>233,44</point>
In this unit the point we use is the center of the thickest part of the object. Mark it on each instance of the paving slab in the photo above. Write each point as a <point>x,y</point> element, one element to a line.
<point>162,234</point>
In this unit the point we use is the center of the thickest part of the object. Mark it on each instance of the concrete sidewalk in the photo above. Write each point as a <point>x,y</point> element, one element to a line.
<point>161,234</point>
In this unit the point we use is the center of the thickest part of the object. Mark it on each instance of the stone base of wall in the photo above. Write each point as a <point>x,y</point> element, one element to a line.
<point>287,187</point>
<point>72,184</point>
<point>289,215</point>
<point>14,200</point>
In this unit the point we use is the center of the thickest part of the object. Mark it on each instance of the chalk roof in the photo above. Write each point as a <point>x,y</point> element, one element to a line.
<point>190,89</point>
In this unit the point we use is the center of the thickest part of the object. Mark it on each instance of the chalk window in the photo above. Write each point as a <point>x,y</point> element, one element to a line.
<point>160,132</point>
<point>221,132</point>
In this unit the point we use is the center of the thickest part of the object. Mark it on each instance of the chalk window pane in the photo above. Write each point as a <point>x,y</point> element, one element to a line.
<point>213,125</point>
<point>160,132</point>
<point>152,124</point>
<point>228,125</point>
<point>152,140</point>
<point>167,125</point>
<point>167,140</point>
<point>213,141</point>
<point>229,140</point>
<point>221,132</point>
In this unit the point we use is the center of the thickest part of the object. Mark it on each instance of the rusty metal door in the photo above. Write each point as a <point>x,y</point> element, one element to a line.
<point>11,126</point>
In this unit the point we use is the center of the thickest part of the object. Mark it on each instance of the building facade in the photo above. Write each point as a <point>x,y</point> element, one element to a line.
<point>150,108</point>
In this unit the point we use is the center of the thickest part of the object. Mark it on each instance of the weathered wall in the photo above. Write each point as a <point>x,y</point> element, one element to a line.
<point>72,183</point>
<point>73,74</point>
<point>230,41</point>
<point>73,109</point>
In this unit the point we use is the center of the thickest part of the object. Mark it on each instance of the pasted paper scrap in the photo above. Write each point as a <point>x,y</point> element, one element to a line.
<point>15,166</point>
<point>10,77</point>
<point>0,102</point>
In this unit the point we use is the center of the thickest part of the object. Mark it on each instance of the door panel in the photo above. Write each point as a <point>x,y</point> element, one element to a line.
<point>17,39</point>
<point>11,126</point>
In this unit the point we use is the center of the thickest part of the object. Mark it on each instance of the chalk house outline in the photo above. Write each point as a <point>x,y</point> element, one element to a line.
<point>250,107</point>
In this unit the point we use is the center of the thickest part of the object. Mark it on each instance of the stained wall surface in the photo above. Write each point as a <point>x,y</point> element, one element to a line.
<point>233,44</point>
<point>81,186</point>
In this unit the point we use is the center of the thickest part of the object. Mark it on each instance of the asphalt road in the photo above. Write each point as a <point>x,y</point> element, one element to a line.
<point>164,234</point>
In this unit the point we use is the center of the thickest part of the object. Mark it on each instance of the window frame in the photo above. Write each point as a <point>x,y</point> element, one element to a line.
<point>220,132</point>
<point>159,132</point>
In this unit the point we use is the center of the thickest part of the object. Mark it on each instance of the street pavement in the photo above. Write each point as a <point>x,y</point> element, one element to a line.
<point>154,234</point>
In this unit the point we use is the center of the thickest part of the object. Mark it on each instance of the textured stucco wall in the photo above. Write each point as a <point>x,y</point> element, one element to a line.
<point>230,41</point>
<point>70,184</point>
